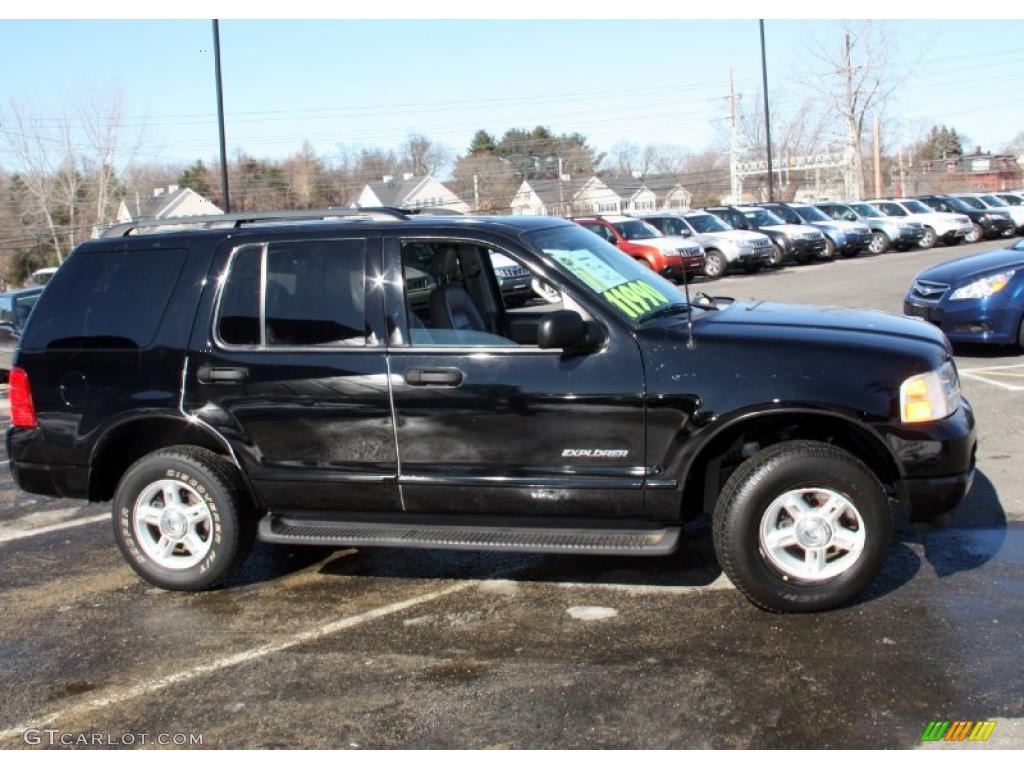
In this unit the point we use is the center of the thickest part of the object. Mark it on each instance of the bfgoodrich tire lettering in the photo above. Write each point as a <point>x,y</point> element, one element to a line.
<point>762,479</point>
<point>205,480</point>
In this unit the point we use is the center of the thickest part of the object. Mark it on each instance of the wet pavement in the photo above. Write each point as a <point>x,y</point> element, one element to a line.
<point>393,648</point>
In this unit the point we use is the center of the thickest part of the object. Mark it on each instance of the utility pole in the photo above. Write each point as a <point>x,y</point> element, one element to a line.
<point>220,119</point>
<point>878,160</point>
<point>735,178</point>
<point>561,190</point>
<point>476,194</point>
<point>903,179</point>
<point>767,118</point>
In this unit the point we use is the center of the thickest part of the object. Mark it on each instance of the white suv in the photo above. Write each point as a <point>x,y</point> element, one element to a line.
<point>951,228</point>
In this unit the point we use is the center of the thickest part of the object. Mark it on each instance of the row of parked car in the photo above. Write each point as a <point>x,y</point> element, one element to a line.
<point>710,241</point>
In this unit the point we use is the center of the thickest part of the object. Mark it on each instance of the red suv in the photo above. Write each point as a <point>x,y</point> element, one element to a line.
<point>668,256</point>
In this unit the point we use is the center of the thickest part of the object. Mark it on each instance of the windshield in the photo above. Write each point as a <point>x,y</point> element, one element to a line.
<point>636,230</point>
<point>706,222</point>
<point>763,218</point>
<point>675,225</point>
<point>629,287</point>
<point>916,206</point>
<point>992,200</point>
<point>963,205</point>
<point>810,213</point>
<point>974,202</point>
<point>866,209</point>
<point>1013,199</point>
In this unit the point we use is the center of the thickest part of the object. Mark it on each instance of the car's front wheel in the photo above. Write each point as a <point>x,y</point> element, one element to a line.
<point>182,518</point>
<point>830,250</point>
<point>929,239</point>
<point>975,234</point>
<point>714,265</point>
<point>776,257</point>
<point>802,526</point>
<point>879,243</point>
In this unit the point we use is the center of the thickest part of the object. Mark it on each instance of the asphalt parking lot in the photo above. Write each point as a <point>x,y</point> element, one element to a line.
<point>391,648</point>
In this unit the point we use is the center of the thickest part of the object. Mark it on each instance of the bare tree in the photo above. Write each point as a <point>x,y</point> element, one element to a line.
<point>30,142</point>
<point>860,75</point>
<point>109,147</point>
<point>422,156</point>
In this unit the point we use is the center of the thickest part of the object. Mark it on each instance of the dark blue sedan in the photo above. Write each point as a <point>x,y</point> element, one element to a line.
<point>975,298</point>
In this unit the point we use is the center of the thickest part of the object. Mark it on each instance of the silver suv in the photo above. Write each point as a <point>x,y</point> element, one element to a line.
<point>724,247</point>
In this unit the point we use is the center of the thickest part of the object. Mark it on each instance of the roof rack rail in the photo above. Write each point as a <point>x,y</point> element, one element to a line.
<point>237,220</point>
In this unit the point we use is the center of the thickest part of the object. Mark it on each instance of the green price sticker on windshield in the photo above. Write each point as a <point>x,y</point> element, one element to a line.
<point>635,298</point>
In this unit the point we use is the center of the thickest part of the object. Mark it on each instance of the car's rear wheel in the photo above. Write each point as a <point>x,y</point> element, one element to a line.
<point>802,526</point>
<point>182,518</point>
<point>975,234</point>
<point>929,239</point>
<point>714,265</point>
<point>879,243</point>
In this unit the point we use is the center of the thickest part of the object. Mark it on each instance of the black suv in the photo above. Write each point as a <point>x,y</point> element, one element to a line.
<point>799,242</point>
<point>352,378</point>
<point>984,223</point>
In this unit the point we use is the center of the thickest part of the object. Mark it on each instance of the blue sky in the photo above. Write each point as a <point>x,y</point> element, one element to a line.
<point>356,82</point>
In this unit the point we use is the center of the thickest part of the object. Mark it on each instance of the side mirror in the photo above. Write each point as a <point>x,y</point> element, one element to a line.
<point>851,217</point>
<point>561,329</point>
<point>611,237</point>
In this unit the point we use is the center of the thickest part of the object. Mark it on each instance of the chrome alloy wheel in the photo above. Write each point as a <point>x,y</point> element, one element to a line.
<point>812,534</point>
<point>173,524</point>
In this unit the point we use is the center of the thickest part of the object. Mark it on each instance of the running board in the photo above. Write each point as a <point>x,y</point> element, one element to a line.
<point>581,541</point>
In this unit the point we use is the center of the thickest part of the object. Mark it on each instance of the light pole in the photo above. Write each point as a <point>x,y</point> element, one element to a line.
<point>220,120</point>
<point>767,117</point>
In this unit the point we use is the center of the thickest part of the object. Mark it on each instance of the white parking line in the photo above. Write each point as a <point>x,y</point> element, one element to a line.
<point>985,378</point>
<point>15,535</point>
<point>126,693</point>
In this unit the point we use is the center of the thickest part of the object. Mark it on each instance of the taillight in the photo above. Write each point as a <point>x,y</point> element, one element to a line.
<point>23,412</point>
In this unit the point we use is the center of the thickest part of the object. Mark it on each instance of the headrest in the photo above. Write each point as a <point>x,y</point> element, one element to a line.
<point>445,261</point>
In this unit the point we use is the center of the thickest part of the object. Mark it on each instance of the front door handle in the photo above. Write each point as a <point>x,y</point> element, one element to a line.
<point>433,377</point>
<point>212,374</point>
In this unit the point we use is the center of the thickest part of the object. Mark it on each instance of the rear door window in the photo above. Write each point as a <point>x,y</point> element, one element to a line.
<point>295,294</point>
<point>105,300</point>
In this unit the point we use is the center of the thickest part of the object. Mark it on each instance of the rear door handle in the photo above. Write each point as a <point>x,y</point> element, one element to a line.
<point>433,377</point>
<point>211,374</point>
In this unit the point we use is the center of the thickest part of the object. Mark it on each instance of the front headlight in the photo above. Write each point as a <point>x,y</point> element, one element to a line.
<point>930,396</point>
<point>983,287</point>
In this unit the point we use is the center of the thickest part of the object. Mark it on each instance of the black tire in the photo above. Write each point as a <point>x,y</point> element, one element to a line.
<point>975,235</point>
<point>515,302</point>
<point>1020,336</point>
<point>929,239</point>
<point>880,243</point>
<point>217,482</point>
<point>830,250</point>
<point>753,267</point>
<point>776,257</point>
<point>714,264</point>
<point>747,496</point>
<point>953,239</point>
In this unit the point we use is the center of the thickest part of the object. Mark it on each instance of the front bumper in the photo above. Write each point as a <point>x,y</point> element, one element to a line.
<point>1003,228</point>
<point>937,461</point>
<point>516,286</point>
<point>806,247</point>
<point>976,321</point>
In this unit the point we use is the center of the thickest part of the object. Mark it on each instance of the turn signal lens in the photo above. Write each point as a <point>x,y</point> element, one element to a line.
<point>23,412</point>
<point>930,396</point>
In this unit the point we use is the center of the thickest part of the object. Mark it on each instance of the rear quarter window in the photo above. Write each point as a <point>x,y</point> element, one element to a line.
<point>105,300</point>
